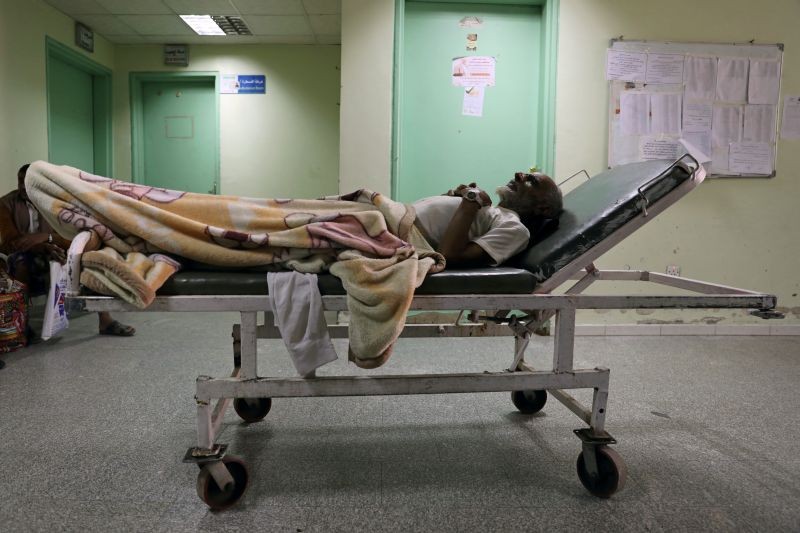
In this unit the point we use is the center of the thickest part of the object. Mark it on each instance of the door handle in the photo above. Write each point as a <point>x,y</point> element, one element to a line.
<point>213,189</point>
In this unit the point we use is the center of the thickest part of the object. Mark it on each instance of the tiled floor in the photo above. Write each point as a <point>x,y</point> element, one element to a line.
<point>94,429</point>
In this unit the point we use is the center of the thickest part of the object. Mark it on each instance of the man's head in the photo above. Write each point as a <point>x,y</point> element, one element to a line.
<point>531,195</point>
<point>21,180</point>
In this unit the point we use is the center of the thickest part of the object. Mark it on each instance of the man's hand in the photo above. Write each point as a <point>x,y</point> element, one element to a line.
<point>55,252</point>
<point>472,193</point>
<point>455,245</point>
<point>40,242</point>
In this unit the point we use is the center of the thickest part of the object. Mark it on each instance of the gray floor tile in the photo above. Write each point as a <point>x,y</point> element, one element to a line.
<point>278,482</point>
<point>430,517</point>
<point>51,514</point>
<point>245,517</point>
<point>448,482</point>
<point>94,429</point>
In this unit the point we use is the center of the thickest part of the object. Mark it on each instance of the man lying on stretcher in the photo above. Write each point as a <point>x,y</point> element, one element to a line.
<point>363,238</point>
<point>463,225</point>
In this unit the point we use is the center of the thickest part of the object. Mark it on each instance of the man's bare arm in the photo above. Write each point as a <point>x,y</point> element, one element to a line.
<point>455,245</point>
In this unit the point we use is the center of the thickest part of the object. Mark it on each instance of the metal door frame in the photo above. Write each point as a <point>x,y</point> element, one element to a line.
<point>101,102</point>
<point>137,80</point>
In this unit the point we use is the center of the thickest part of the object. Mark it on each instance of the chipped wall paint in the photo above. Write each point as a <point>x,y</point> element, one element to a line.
<point>732,232</point>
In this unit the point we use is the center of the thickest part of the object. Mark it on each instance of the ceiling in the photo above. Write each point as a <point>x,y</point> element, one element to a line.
<point>157,21</point>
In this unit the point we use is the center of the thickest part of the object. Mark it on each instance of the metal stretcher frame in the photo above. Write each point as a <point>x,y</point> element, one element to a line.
<point>223,478</point>
<point>600,469</point>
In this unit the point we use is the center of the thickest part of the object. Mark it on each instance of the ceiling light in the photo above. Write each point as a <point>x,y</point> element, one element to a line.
<point>202,24</point>
<point>232,25</point>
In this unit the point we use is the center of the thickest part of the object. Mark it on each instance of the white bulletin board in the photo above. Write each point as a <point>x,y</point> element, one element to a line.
<point>719,102</point>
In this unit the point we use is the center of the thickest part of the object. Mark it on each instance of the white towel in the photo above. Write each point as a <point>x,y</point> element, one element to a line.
<point>297,305</point>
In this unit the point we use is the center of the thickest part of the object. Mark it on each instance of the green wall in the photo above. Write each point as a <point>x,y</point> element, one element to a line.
<point>284,143</point>
<point>23,90</point>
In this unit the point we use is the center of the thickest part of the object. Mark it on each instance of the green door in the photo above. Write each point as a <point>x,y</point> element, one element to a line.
<point>439,146</point>
<point>71,115</point>
<point>180,135</point>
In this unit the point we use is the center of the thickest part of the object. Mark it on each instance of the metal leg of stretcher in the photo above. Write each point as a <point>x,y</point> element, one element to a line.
<point>600,469</point>
<point>213,476</point>
<point>528,385</point>
<point>223,479</point>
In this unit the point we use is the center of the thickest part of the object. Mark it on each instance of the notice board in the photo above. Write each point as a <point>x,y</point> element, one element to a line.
<point>718,102</point>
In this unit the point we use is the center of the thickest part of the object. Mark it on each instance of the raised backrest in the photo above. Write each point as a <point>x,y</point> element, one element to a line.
<point>598,208</point>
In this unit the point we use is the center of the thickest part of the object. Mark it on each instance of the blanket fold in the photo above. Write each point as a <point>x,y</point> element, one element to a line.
<point>364,238</point>
<point>133,277</point>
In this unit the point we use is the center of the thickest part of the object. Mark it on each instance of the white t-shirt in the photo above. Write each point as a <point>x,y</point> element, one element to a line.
<point>495,229</point>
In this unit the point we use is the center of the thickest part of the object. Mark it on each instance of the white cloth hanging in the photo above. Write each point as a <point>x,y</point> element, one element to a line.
<point>297,305</point>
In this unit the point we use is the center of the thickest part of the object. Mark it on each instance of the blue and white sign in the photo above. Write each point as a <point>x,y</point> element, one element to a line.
<point>243,84</point>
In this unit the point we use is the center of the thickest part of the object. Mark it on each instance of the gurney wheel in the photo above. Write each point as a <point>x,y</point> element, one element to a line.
<point>529,401</point>
<point>212,495</point>
<point>612,469</point>
<point>252,409</point>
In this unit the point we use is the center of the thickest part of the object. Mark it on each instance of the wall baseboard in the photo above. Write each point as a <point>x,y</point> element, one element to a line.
<point>686,329</point>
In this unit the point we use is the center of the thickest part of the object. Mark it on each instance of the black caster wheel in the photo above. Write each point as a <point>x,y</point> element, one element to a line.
<point>612,473</point>
<point>529,401</point>
<point>216,498</point>
<point>252,409</point>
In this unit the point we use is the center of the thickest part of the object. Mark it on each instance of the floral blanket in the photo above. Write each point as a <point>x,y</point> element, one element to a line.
<point>140,234</point>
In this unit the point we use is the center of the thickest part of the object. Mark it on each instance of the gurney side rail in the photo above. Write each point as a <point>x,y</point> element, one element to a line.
<point>739,299</point>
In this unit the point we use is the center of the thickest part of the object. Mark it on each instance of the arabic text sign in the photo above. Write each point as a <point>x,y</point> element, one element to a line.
<point>243,84</point>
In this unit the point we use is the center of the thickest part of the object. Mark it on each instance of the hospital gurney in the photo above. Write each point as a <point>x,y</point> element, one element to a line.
<point>598,214</point>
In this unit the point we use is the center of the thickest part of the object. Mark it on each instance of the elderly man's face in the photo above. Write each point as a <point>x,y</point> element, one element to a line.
<point>526,192</point>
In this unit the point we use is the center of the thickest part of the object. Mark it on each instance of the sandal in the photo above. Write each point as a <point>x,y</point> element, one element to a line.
<point>118,329</point>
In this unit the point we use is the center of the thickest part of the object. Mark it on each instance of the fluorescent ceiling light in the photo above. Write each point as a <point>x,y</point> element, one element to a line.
<point>202,24</point>
<point>232,25</point>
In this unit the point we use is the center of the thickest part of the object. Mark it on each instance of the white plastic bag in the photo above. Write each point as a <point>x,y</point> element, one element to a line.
<point>55,314</point>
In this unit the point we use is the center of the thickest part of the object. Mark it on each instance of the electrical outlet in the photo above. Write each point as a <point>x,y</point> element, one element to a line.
<point>673,270</point>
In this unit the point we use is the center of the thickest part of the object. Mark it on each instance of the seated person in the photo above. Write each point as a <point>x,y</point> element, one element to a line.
<point>30,243</point>
<point>463,225</point>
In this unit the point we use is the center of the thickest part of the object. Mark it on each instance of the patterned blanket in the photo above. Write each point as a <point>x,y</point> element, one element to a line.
<point>140,234</point>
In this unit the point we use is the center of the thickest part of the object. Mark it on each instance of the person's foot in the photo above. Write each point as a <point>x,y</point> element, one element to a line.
<point>2,364</point>
<point>118,329</point>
